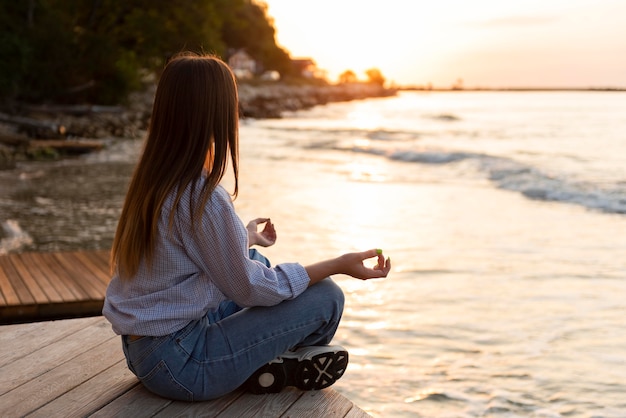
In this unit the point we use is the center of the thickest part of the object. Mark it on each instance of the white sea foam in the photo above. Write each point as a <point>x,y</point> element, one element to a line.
<point>14,238</point>
<point>509,174</point>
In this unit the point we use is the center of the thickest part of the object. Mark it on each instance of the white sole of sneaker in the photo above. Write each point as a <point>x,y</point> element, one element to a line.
<point>308,368</point>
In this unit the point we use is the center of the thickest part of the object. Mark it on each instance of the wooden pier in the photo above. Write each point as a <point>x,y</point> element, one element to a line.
<point>76,367</point>
<point>44,286</point>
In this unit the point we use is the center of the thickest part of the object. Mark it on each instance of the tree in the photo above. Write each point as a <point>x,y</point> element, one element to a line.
<point>14,49</point>
<point>247,26</point>
<point>98,50</point>
<point>347,76</point>
<point>374,76</point>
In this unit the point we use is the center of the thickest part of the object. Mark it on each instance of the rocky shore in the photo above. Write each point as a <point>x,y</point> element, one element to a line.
<point>272,101</point>
<point>48,132</point>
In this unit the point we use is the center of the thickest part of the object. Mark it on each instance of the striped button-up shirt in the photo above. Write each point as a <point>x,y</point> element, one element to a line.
<point>195,269</point>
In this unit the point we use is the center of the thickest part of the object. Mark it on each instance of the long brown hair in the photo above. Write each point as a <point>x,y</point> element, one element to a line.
<point>194,120</point>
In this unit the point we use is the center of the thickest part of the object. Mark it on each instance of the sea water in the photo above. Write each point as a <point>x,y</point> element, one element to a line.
<point>504,214</point>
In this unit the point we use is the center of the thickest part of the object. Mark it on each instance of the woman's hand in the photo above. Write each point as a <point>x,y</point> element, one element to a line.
<point>352,265</point>
<point>264,238</point>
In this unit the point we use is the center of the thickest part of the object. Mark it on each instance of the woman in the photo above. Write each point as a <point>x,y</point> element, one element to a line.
<point>198,311</point>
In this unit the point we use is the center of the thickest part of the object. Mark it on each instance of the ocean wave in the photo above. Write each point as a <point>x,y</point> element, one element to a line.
<point>532,182</point>
<point>535,184</point>
<point>446,117</point>
<point>506,173</point>
<point>430,157</point>
<point>432,395</point>
<point>390,135</point>
<point>342,134</point>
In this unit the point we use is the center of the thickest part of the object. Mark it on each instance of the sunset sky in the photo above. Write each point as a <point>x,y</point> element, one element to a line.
<point>486,43</point>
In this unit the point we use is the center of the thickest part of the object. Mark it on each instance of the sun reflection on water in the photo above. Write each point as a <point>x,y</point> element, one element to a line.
<point>365,118</point>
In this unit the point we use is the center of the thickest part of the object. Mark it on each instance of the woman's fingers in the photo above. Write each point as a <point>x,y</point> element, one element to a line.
<point>253,224</point>
<point>382,267</point>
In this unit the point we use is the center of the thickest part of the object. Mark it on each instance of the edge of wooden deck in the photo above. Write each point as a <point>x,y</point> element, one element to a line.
<point>21,314</point>
<point>51,286</point>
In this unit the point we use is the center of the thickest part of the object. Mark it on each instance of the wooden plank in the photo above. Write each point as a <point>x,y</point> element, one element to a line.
<point>94,289</point>
<point>4,282</point>
<point>60,376</point>
<point>66,273</point>
<point>59,352</point>
<point>205,409</point>
<point>13,314</point>
<point>2,299</point>
<point>325,403</point>
<point>21,289</point>
<point>69,310</point>
<point>274,405</point>
<point>31,282</point>
<point>136,403</point>
<point>7,293</point>
<point>92,395</point>
<point>96,268</point>
<point>58,275</point>
<point>13,289</point>
<point>40,268</point>
<point>357,412</point>
<point>102,255</point>
<point>50,291</point>
<point>18,341</point>
<point>53,285</point>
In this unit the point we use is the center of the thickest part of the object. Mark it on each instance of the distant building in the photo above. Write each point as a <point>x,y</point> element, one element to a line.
<point>270,76</point>
<point>305,67</point>
<point>242,64</point>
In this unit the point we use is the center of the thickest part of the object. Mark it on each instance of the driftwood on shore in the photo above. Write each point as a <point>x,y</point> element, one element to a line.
<point>76,110</point>
<point>35,128</point>
<point>68,147</point>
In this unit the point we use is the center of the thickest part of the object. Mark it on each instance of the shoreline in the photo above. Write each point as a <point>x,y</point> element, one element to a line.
<point>270,101</point>
<point>50,132</point>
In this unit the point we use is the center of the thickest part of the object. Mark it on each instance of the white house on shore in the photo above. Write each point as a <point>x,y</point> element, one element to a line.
<point>243,65</point>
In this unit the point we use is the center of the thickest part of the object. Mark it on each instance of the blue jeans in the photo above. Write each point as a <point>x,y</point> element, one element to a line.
<point>214,355</point>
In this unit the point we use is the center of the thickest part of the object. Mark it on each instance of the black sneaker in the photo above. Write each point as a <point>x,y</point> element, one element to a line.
<point>307,368</point>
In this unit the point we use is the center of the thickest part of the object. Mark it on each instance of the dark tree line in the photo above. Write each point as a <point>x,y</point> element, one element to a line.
<point>73,51</point>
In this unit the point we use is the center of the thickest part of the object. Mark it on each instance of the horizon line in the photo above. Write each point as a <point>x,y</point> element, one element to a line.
<point>423,88</point>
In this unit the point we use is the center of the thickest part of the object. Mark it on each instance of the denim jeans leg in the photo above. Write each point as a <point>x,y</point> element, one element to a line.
<point>214,355</point>
<point>236,346</point>
<point>208,359</point>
